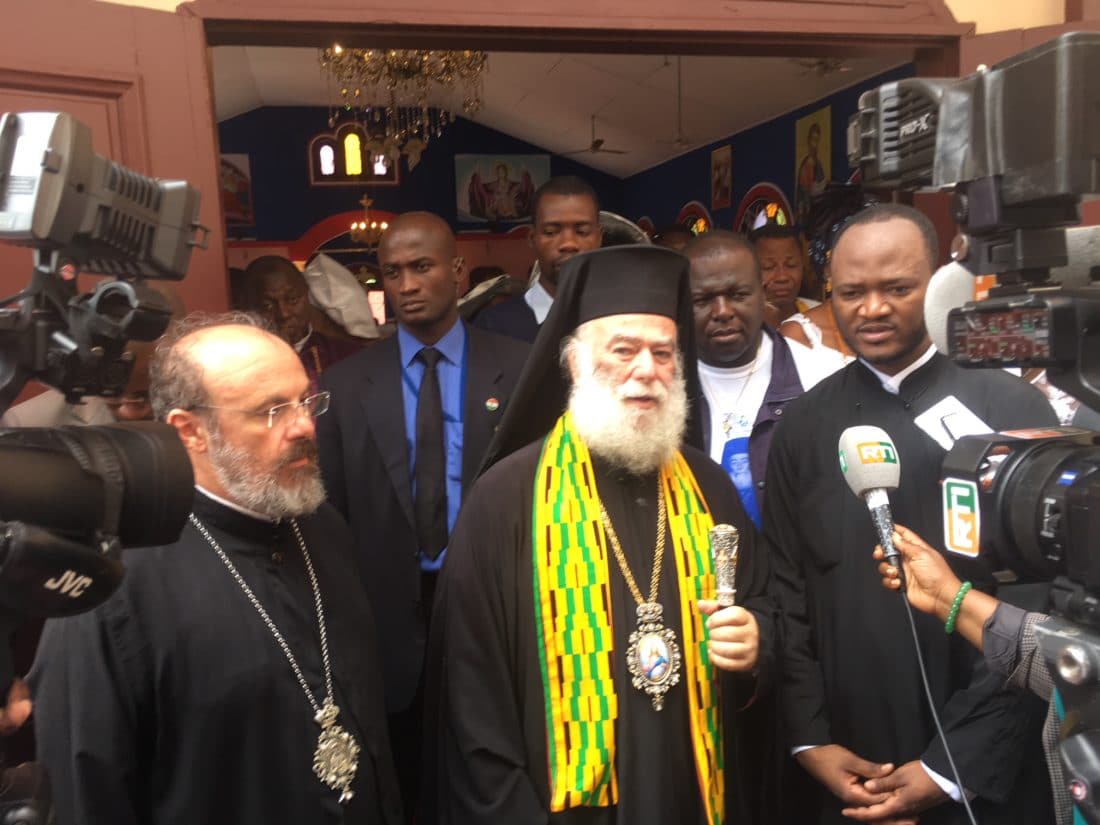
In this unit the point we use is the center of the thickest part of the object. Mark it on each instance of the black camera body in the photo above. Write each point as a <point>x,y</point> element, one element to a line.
<point>80,211</point>
<point>124,486</point>
<point>1019,147</point>
<point>1030,496</point>
<point>119,486</point>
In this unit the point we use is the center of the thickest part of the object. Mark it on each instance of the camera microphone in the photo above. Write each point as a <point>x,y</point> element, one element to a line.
<point>952,285</point>
<point>870,464</point>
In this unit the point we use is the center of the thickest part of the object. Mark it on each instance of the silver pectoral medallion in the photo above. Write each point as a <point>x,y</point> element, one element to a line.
<point>337,756</point>
<point>653,657</point>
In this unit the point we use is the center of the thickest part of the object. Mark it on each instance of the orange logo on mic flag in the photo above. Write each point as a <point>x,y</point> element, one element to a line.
<point>961,518</point>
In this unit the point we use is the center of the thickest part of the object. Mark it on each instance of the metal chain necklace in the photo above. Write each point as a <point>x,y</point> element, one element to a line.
<point>336,758</point>
<point>729,410</point>
<point>653,655</point>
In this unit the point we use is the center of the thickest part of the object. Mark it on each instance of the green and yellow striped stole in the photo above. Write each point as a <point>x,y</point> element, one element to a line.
<point>576,642</point>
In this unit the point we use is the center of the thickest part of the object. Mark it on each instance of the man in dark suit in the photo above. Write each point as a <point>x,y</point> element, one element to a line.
<point>566,214</point>
<point>409,422</point>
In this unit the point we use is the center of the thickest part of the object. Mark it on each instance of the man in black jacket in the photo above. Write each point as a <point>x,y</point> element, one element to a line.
<point>227,663</point>
<point>566,215</point>
<point>403,441</point>
<point>850,692</point>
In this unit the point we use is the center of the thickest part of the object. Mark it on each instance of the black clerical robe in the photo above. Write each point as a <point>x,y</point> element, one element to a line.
<point>490,760</point>
<point>172,703</point>
<point>848,669</point>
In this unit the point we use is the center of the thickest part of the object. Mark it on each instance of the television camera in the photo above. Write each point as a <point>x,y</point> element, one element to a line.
<point>1018,145</point>
<point>71,498</point>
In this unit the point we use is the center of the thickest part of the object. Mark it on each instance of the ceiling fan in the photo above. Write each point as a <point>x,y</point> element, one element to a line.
<point>596,147</point>
<point>821,66</point>
<point>681,139</point>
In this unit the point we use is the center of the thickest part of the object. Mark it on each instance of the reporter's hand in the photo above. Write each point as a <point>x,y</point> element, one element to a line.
<point>930,584</point>
<point>844,773</point>
<point>17,710</point>
<point>734,636</point>
<point>909,790</point>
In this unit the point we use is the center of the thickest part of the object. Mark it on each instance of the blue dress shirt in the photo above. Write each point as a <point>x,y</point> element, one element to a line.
<point>452,389</point>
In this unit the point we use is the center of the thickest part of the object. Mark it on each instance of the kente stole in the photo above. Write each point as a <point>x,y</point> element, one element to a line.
<point>573,617</point>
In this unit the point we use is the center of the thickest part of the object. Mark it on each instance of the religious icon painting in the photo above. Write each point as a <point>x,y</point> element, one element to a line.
<point>236,189</point>
<point>813,158</point>
<point>497,189</point>
<point>653,657</point>
<point>721,177</point>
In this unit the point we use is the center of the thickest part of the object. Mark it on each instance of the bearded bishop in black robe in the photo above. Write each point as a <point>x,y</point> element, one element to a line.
<point>498,746</point>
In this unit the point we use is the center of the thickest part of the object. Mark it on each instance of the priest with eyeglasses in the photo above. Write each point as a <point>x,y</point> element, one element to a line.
<point>234,675</point>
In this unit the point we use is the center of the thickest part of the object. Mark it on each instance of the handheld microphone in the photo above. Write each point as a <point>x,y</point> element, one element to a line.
<point>870,464</point>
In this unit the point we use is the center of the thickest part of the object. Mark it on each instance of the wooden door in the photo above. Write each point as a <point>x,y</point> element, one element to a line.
<point>139,79</point>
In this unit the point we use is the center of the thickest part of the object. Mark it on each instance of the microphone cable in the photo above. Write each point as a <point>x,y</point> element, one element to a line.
<point>928,695</point>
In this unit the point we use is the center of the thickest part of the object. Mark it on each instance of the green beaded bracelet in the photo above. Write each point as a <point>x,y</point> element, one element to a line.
<point>949,625</point>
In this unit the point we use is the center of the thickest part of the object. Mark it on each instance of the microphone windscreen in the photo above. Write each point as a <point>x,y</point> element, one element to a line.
<point>868,459</point>
<point>951,286</point>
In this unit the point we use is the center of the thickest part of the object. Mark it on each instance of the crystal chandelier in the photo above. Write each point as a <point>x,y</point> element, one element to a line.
<point>367,232</point>
<point>403,97</point>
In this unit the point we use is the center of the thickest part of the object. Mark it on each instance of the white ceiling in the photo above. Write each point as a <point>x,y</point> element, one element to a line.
<point>549,99</point>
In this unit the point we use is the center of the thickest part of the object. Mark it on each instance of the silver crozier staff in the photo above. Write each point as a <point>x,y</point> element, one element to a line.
<point>724,539</point>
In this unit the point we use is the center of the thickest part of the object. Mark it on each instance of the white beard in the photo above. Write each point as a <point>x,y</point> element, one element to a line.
<point>638,441</point>
<point>253,488</point>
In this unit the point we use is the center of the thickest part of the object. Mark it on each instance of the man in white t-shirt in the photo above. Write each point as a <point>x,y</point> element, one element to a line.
<point>748,371</point>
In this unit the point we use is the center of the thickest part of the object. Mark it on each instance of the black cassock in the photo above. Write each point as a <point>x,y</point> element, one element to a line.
<point>848,669</point>
<point>489,755</point>
<point>172,704</point>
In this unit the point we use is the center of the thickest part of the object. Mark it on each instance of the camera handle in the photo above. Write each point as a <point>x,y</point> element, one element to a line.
<point>1072,653</point>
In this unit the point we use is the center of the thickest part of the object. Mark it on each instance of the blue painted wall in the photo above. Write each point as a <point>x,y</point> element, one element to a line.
<point>276,139</point>
<point>764,152</point>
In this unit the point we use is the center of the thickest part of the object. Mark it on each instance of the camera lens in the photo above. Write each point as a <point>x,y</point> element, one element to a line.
<point>1043,501</point>
<point>133,481</point>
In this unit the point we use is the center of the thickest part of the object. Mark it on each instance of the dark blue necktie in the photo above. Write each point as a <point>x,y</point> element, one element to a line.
<point>431,460</point>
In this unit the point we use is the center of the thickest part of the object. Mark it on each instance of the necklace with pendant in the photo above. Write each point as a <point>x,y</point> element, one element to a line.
<point>336,758</point>
<point>653,655</point>
<point>733,409</point>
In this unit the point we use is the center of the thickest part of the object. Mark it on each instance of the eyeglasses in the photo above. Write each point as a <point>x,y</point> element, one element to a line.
<point>283,414</point>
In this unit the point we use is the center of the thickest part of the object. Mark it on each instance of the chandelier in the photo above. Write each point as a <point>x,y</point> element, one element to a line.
<point>404,97</point>
<point>367,232</point>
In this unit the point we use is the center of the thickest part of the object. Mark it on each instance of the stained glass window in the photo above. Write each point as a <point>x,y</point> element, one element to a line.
<point>328,160</point>
<point>353,154</point>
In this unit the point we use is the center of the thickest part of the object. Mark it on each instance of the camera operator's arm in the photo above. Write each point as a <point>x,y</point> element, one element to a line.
<point>17,709</point>
<point>1005,634</point>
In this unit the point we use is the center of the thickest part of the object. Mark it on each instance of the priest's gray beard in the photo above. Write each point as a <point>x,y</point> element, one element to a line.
<point>638,441</point>
<point>254,488</point>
